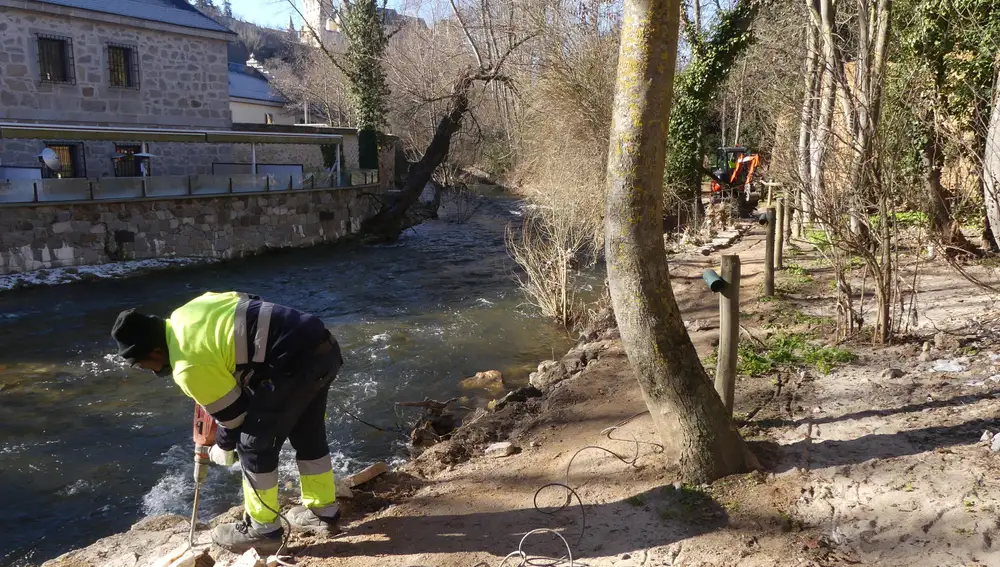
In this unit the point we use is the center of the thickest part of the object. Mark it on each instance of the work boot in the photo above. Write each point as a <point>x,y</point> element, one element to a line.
<point>308,520</point>
<point>243,535</point>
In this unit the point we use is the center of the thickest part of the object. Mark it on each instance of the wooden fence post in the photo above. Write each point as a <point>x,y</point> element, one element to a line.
<point>729,331</point>
<point>769,255</point>
<point>779,236</point>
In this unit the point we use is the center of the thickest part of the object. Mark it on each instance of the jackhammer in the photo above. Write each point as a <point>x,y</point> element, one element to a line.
<point>205,428</point>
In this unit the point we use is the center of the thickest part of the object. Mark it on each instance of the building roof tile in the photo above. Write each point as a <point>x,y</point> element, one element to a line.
<point>176,12</point>
<point>246,82</point>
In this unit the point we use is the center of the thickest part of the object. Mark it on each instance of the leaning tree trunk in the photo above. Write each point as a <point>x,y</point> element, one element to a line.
<point>387,224</point>
<point>991,166</point>
<point>688,414</point>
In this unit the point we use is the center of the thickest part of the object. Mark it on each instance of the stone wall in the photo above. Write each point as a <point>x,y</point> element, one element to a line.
<point>184,78</point>
<point>39,237</point>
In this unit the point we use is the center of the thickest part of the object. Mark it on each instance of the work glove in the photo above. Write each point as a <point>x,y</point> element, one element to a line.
<point>222,457</point>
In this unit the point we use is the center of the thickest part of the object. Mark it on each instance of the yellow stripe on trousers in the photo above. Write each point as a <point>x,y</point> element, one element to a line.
<point>316,480</point>
<point>260,492</point>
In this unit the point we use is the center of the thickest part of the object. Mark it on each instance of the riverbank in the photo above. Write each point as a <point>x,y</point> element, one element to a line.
<point>873,454</point>
<point>88,447</point>
<point>115,270</point>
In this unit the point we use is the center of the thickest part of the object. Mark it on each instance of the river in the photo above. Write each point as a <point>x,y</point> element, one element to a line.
<point>87,446</point>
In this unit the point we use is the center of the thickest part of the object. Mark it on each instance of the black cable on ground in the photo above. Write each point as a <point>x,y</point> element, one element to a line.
<point>284,537</point>
<point>570,494</point>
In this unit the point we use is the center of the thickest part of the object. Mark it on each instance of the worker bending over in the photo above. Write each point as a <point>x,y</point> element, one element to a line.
<point>263,371</point>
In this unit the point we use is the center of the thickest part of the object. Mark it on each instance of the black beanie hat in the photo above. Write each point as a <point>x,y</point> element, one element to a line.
<point>138,334</point>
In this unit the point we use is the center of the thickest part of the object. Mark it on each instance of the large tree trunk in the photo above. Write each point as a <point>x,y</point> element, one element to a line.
<point>689,416</point>
<point>388,223</point>
<point>809,96</point>
<point>991,165</point>
<point>947,232</point>
<point>873,36</point>
<point>819,140</point>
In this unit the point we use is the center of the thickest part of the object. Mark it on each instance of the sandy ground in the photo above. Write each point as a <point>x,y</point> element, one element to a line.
<point>865,467</point>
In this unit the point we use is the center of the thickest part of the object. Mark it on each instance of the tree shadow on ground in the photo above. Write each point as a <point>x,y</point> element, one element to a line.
<point>962,400</point>
<point>780,458</point>
<point>657,517</point>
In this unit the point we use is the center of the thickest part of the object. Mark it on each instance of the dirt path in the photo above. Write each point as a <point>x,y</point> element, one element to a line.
<point>478,511</point>
<point>867,467</point>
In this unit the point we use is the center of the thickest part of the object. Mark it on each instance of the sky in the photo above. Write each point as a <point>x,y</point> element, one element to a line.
<point>274,13</point>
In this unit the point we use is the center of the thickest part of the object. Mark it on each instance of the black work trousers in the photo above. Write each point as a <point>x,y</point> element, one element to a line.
<point>293,407</point>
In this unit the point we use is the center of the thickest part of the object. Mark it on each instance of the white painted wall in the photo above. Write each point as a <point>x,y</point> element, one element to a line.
<point>254,113</point>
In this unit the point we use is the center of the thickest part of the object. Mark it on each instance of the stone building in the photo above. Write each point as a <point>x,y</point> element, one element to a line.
<point>149,63</point>
<point>322,20</point>
<point>253,101</point>
<point>111,87</point>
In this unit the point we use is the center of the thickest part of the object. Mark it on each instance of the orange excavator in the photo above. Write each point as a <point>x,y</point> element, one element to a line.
<point>733,177</point>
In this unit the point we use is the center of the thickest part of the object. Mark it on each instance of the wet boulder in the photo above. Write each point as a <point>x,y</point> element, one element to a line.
<point>549,374</point>
<point>488,380</point>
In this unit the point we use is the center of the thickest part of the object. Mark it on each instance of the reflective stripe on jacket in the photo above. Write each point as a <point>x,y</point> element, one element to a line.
<point>215,339</point>
<point>201,343</point>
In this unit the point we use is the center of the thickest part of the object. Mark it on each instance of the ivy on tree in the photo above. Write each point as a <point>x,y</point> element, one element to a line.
<point>364,28</point>
<point>713,56</point>
<point>949,48</point>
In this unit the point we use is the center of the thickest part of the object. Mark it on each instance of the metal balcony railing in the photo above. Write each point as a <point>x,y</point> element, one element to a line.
<point>124,188</point>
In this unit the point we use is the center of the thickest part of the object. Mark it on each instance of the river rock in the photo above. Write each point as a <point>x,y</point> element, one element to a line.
<point>944,341</point>
<point>488,380</point>
<point>995,446</point>
<point>925,353</point>
<point>500,450</point>
<point>892,373</point>
<point>249,559</point>
<point>548,375</point>
<point>342,490</point>
<point>127,559</point>
<point>574,360</point>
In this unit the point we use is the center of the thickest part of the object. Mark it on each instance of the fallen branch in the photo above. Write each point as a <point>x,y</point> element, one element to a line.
<point>428,404</point>
<point>753,338</point>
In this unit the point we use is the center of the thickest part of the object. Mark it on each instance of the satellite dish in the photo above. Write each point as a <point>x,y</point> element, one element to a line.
<point>51,159</point>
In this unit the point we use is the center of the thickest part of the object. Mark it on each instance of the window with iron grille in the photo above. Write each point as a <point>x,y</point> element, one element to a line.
<point>55,59</point>
<point>123,66</point>
<point>127,165</point>
<point>70,160</point>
